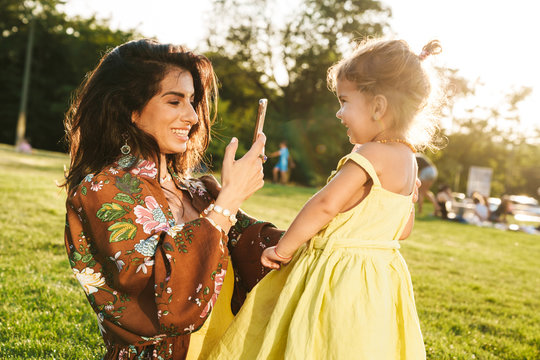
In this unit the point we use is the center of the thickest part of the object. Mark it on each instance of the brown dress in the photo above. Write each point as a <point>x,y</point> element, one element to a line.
<point>150,281</point>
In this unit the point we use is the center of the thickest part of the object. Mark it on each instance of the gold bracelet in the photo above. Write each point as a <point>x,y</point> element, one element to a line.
<point>280,256</point>
<point>225,212</point>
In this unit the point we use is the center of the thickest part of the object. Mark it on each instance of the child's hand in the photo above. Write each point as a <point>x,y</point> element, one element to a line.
<point>417,185</point>
<point>271,259</point>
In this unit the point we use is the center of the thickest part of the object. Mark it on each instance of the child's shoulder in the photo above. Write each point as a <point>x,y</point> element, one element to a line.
<point>384,157</point>
<point>374,152</point>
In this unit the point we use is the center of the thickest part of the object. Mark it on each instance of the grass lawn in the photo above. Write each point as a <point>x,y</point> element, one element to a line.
<point>477,290</point>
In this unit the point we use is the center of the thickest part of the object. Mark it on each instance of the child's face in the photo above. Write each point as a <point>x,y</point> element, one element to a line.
<point>356,113</point>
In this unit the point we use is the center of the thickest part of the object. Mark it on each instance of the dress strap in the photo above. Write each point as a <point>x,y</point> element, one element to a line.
<point>364,163</point>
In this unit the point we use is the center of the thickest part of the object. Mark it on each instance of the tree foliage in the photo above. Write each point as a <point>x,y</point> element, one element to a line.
<point>490,137</point>
<point>260,52</point>
<point>64,51</point>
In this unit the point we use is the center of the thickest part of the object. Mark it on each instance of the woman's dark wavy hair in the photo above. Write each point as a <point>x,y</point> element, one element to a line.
<point>125,79</point>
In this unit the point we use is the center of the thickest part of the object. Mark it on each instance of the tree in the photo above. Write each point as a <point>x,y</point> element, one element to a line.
<point>64,51</point>
<point>286,61</point>
<point>489,136</point>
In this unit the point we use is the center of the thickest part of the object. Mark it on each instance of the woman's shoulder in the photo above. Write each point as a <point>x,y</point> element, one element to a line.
<point>125,174</point>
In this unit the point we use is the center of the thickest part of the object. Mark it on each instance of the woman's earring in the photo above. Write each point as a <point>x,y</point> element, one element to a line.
<point>125,149</point>
<point>375,117</point>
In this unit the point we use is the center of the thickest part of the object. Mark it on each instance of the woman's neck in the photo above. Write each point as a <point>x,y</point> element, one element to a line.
<point>163,171</point>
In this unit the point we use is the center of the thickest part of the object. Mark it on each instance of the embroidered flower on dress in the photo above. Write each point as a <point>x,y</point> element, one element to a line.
<point>126,161</point>
<point>147,262</point>
<point>88,177</point>
<point>173,231</point>
<point>190,328</point>
<point>89,280</point>
<point>119,263</point>
<point>197,187</point>
<point>147,247</point>
<point>151,217</point>
<point>145,168</point>
<point>218,283</point>
<point>100,318</point>
<point>97,186</point>
<point>113,170</point>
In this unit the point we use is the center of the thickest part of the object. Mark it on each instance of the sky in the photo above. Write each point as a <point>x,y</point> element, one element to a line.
<point>491,42</point>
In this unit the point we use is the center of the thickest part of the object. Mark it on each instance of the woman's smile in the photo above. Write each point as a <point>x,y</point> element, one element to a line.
<point>182,134</point>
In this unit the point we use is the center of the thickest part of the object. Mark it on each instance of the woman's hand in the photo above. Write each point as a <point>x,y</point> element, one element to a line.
<point>271,259</point>
<point>241,178</point>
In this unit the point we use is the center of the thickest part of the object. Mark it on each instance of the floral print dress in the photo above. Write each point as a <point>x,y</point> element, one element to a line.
<point>150,281</point>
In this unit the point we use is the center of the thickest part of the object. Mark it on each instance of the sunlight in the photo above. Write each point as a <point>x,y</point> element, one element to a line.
<point>486,44</point>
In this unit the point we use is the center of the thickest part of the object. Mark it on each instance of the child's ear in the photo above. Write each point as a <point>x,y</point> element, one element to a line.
<point>380,104</point>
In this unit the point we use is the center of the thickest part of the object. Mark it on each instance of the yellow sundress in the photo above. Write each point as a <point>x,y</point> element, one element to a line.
<point>204,340</point>
<point>346,295</point>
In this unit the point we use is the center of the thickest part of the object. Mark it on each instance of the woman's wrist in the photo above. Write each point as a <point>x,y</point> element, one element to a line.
<point>228,214</point>
<point>228,200</point>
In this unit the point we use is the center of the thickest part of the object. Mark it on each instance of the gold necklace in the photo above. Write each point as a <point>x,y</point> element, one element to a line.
<point>401,141</point>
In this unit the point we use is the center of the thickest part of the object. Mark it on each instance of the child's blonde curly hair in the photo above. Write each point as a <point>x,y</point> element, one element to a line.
<point>390,68</point>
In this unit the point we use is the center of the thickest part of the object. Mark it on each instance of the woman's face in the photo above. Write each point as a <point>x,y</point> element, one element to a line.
<point>169,115</point>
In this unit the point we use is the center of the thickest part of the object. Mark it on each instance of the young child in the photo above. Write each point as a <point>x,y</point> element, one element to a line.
<point>347,294</point>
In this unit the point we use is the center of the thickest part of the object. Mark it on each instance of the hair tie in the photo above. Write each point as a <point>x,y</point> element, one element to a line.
<point>431,48</point>
<point>423,55</point>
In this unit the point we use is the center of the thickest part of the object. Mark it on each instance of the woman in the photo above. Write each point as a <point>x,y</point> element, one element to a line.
<point>499,215</point>
<point>150,244</point>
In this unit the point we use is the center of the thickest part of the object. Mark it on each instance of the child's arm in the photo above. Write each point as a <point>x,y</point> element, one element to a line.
<point>317,212</point>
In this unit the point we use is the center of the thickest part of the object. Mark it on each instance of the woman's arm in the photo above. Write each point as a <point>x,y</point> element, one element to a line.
<point>240,178</point>
<point>247,240</point>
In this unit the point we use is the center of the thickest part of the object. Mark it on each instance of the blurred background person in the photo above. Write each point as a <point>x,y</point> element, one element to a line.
<point>284,162</point>
<point>427,173</point>
<point>499,215</point>
<point>481,210</point>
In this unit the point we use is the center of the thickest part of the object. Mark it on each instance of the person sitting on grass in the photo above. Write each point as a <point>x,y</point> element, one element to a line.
<point>499,215</point>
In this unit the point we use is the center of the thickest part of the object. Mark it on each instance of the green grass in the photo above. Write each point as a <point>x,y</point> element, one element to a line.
<point>477,290</point>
